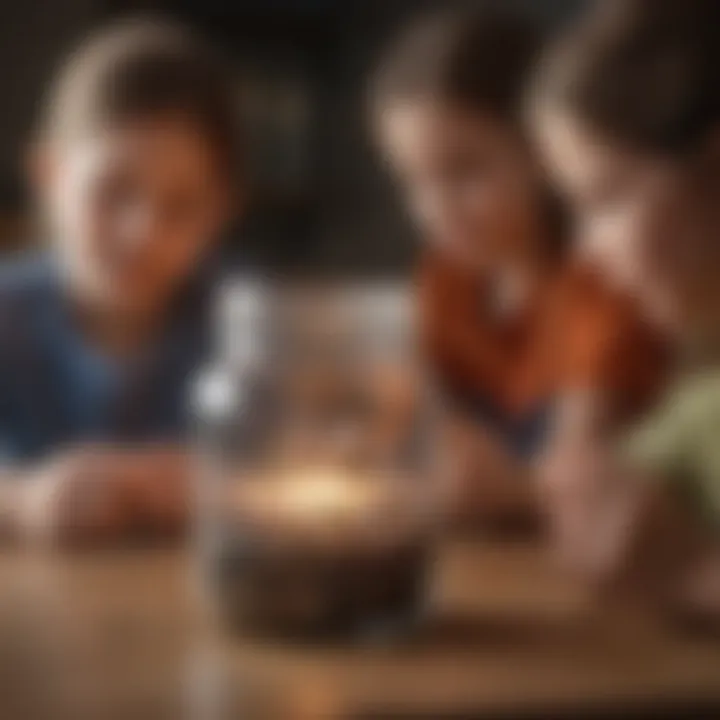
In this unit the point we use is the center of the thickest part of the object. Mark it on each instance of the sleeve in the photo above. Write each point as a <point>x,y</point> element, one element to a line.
<point>677,448</point>
<point>9,452</point>
<point>609,349</point>
<point>662,445</point>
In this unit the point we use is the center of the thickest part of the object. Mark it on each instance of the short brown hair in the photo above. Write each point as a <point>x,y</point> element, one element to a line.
<point>645,73</point>
<point>145,68</point>
<point>477,57</point>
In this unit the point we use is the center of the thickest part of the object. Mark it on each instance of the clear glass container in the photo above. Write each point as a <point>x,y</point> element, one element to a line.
<point>316,510</point>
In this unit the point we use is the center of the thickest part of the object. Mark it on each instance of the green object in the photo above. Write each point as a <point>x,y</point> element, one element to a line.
<point>679,442</point>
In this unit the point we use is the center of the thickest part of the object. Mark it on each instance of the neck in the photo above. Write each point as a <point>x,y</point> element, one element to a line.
<point>117,332</point>
<point>531,270</point>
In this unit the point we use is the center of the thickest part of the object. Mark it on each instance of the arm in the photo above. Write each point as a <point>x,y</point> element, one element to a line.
<point>482,478</point>
<point>483,482</point>
<point>610,366</point>
<point>96,494</point>
<point>589,498</point>
<point>627,535</point>
<point>159,479</point>
<point>10,489</point>
<point>624,515</point>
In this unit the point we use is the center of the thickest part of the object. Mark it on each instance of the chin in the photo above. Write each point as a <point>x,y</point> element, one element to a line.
<point>664,313</point>
<point>124,304</point>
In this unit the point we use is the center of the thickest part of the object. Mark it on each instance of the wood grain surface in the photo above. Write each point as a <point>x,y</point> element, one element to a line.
<point>126,634</point>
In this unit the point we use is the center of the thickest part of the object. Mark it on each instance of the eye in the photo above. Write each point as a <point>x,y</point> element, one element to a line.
<point>182,205</point>
<point>464,166</point>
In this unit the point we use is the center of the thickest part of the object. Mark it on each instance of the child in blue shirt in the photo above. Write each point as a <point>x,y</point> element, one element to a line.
<point>134,172</point>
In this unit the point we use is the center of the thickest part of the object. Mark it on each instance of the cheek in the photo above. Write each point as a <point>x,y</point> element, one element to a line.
<point>79,223</point>
<point>624,236</point>
<point>466,221</point>
<point>668,251</point>
<point>449,213</point>
<point>638,249</point>
<point>505,211</point>
<point>486,206</point>
<point>74,213</point>
<point>182,249</point>
<point>179,242</point>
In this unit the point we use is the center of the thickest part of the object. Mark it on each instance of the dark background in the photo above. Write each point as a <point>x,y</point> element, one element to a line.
<point>319,198</point>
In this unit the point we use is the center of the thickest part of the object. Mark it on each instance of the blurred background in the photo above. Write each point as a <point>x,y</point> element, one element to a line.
<point>320,200</point>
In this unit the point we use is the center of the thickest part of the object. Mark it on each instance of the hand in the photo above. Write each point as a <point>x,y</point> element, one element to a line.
<point>698,592</point>
<point>159,488</point>
<point>102,493</point>
<point>481,480</point>
<point>77,496</point>
<point>591,504</point>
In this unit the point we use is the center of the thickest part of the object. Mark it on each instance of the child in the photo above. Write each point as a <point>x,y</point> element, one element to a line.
<point>508,320</point>
<point>133,172</point>
<point>628,112</point>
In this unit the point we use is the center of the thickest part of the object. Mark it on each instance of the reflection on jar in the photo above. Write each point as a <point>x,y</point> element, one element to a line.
<point>317,505</point>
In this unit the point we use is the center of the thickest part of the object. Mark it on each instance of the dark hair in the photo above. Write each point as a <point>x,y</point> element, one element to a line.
<point>478,57</point>
<point>145,68</point>
<point>645,73</point>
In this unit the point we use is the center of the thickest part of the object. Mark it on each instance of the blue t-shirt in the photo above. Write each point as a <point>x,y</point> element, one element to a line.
<point>57,390</point>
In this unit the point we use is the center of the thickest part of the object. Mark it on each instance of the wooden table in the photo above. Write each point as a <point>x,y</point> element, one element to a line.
<point>123,635</point>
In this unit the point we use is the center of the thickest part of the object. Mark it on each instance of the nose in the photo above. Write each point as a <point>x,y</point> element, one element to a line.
<point>138,224</point>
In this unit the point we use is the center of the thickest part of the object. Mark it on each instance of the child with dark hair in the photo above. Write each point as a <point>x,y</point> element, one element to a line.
<point>511,320</point>
<point>134,174</point>
<point>628,112</point>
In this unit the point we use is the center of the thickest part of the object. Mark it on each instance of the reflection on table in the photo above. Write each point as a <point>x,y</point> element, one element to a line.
<point>122,634</point>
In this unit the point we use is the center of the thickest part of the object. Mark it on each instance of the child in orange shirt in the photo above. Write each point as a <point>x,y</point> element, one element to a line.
<point>508,320</point>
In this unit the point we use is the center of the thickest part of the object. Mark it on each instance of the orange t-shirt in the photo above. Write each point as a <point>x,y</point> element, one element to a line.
<point>576,332</point>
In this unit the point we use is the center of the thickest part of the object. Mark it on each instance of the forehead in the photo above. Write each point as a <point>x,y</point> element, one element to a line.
<point>577,157</point>
<point>427,126</point>
<point>162,148</point>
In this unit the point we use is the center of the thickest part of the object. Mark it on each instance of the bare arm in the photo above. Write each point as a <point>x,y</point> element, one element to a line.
<point>484,482</point>
<point>622,531</point>
<point>91,494</point>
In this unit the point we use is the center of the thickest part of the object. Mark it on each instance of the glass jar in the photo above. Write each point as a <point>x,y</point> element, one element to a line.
<point>315,506</point>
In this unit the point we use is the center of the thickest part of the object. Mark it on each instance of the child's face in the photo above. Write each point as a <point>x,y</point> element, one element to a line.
<point>639,217</point>
<point>133,209</point>
<point>469,182</point>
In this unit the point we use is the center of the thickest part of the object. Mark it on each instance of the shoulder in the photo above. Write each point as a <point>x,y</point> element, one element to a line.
<point>697,396</point>
<point>441,282</point>
<point>606,341</point>
<point>436,264</point>
<point>597,309</point>
<point>25,273</point>
<point>25,283</point>
<point>582,288</point>
<point>684,423</point>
